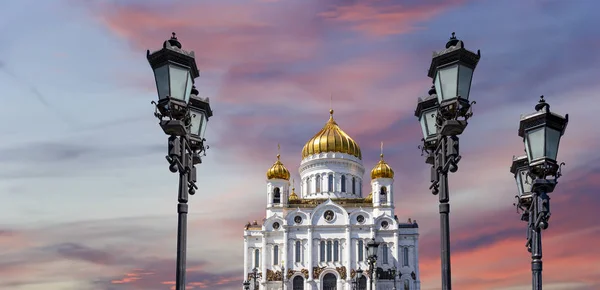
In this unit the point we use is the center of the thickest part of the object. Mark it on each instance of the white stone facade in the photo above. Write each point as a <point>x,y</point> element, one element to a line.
<point>323,236</point>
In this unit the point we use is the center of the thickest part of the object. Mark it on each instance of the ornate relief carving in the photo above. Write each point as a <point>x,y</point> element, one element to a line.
<point>317,272</point>
<point>352,273</point>
<point>342,271</point>
<point>305,273</point>
<point>274,276</point>
<point>290,273</point>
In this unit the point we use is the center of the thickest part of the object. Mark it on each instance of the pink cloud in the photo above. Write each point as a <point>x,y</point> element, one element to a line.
<point>220,33</point>
<point>382,18</point>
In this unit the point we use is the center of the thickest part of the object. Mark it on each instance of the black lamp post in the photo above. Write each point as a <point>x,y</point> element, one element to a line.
<point>372,259</point>
<point>183,116</point>
<point>536,174</point>
<point>443,116</point>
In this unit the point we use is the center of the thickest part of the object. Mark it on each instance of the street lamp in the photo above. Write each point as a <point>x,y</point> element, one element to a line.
<point>393,271</point>
<point>183,116</point>
<point>356,281</point>
<point>255,278</point>
<point>372,259</point>
<point>536,175</point>
<point>443,116</point>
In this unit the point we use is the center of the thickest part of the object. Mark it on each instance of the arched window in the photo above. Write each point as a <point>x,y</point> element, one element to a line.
<point>384,253</point>
<point>329,282</point>
<point>317,184</point>
<point>275,254</point>
<point>307,186</point>
<point>354,185</point>
<point>360,188</point>
<point>329,248</point>
<point>336,251</point>
<point>298,283</point>
<point>383,195</point>
<point>277,195</point>
<point>360,250</point>
<point>256,258</point>
<point>405,256</point>
<point>322,251</point>
<point>343,183</point>
<point>298,251</point>
<point>330,183</point>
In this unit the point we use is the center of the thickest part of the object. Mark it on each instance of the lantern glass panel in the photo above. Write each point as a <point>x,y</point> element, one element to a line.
<point>198,125</point>
<point>427,121</point>
<point>180,82</point>
<point>524,182</point>
<point>534,143</point>
<point>161,76</point>
<point>465,74</point>
<point>448,82</point>
<point>552,142</point>
<point>438,86</point>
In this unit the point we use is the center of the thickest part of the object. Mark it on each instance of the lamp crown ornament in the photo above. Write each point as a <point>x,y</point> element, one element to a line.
<point>431,91</point>
<point>453,41</point>
<point>195,92</point>
<point>173,41</point>
<point>542,104</point>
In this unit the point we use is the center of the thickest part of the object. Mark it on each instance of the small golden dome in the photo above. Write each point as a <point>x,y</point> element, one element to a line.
<point>331,139</point>
<point>369,198</point>
<point>293,196</point>
<point>382,170</point>
<point>278,171</point>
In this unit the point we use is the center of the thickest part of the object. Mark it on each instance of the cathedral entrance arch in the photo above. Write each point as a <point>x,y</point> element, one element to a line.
<point>298,283</point>
<point>329,282</point>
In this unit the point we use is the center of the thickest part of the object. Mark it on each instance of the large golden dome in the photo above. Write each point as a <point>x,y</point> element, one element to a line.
<point>382,170</point>
<point>331,139</point>
<point>278,171</point>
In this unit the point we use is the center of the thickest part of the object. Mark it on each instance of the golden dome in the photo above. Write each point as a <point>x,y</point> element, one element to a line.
<point>369,198</point>
<point>278,171</point>
<point>331,139</point>
<point>382,170</point>
<point>293,196</point>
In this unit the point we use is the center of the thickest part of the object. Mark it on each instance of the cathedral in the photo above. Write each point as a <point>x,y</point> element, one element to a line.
<point>316,238</point>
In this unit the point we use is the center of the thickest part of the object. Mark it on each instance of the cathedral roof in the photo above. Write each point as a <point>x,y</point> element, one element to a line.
<point>278,171</point>
<point>382,170</point>
<point>331,139</point>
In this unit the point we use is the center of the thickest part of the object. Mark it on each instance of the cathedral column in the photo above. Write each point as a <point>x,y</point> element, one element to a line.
<point>285,256</point>
<point>348,256</point>
<point>310,253</point>
<point>397,250</point>
<point>245,258</point>
<point>264,262</point>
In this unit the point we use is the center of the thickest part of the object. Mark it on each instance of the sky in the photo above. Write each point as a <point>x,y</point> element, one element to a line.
<point>86,197</point>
